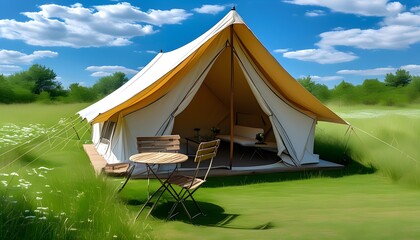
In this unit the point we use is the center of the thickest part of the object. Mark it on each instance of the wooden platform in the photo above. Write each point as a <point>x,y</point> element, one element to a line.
<point>97,161</point>
<point>269,165</point>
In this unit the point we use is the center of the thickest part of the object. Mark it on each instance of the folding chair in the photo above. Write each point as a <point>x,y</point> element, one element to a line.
<point>190,184</point>
<point>168,143</point>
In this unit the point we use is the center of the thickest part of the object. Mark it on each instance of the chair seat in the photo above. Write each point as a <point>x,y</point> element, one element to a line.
<point>186,181</point>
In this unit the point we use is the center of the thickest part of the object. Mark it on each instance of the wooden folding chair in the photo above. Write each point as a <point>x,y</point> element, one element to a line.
<point>167,143</point>
<point>190,184</point>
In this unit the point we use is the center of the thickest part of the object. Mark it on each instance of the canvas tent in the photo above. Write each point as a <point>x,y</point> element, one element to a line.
<point>222,78</point>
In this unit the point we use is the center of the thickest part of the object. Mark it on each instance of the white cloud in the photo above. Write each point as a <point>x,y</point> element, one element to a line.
<point>358,7</point>
<point>315,13</point>
<point>210,9</point>
<point>326,78</point>
<point>405,18</point>
<point>9,69</point>
<point>388,37</point>
<point>412,68</point>
<point>77,26</point>
<point>280,50</point>
<point>102,71</point>
<point>151,51</point>
<point>368,72</point>
<point>322,56</point>
<point>16,57</point>
<point>415,9</point>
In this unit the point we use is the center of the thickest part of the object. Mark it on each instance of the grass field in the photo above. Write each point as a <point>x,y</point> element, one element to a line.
<point>51,192</point>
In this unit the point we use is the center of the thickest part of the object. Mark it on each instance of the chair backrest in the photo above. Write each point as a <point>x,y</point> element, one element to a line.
<point>168,143</point>
<point>206,151</point>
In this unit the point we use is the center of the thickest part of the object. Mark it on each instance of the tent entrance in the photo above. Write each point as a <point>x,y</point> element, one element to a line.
<point>210,107</point>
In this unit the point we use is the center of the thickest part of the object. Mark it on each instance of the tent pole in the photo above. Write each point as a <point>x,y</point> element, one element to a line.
<point>232,115</point>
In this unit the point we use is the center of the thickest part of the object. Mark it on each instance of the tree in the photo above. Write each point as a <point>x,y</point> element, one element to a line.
<point>6,93</point>
<point>401,78</point>
<point>307,83</point>
<point>79,93</point>
<point>320,91</point>
<point>108,84</point>
<point>43,79</point>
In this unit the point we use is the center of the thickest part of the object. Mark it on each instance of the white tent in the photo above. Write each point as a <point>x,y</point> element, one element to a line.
<point>212,81</point>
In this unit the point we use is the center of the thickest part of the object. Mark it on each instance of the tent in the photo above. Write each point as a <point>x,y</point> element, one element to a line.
<point>223,78</point>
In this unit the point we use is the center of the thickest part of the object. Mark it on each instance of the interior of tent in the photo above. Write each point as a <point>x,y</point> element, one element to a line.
<point>210,108</point>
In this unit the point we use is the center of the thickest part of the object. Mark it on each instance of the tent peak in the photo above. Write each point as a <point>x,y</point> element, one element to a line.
<point>233,8</point>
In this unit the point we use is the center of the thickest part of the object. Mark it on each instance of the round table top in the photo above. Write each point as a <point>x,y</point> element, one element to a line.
<point>159,158</point>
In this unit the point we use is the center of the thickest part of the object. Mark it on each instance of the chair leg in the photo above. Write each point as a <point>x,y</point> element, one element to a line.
<point>179,197</point>
<point>147,201</point>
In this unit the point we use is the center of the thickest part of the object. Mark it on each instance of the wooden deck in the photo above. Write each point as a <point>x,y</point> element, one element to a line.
<point>242,167</point>
<point>97,161</point>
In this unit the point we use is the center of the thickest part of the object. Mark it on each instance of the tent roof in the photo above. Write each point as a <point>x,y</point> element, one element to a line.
<point>166,69</point>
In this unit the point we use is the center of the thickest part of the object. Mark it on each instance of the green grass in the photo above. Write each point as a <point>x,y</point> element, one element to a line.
<point>375,197</point>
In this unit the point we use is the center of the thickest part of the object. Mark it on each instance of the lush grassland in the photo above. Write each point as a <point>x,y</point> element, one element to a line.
<point>52,193</point>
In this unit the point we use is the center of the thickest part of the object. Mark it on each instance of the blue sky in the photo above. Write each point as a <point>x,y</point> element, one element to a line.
<point>330,40</point>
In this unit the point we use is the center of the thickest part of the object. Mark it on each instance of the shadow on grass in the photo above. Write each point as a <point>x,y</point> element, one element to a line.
<point>351,168</point>
<point>215,216</point>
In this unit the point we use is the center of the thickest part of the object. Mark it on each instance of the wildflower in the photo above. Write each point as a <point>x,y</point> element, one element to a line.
<point>43,218</point>
<point>47,185</point>
<point>38,198</point>
<point>14,174</point>
<point>4,183</point>
<point>45,168</point>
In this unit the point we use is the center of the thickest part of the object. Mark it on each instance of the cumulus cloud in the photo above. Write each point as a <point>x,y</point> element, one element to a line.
<point>322,56</point>
<point>412,68</point>
<point>405,18</point>
<point>102,71</point>
<point>368,72</point>
<point>210,9</point>
<point>9,69</point>
<point>151,51</point>
<point>387,37</point>
<point>358,7</point>
<point>399,29</point>
<point>315,13</point>
<point>281,50</point>
<point>77,26</point>
<point>326,78</point>
<point>16,57</point>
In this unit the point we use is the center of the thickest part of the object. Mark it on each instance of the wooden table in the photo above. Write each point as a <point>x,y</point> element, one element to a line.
<point>158,158</point>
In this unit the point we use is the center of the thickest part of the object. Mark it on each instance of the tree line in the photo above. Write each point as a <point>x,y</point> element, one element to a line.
<point>39,84</point>
<point>396,90</point>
